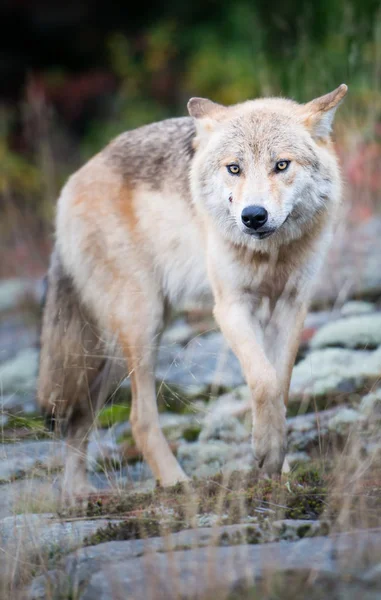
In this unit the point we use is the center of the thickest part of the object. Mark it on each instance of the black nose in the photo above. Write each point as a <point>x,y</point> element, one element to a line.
<point>254,216</point>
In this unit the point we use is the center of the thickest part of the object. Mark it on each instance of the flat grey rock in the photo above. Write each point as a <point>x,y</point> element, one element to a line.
<point>37,535</point>
<point>16,403</point>
<point>17,332</point>
<point>43,532</point>
<point>134,569</point>
<point>19,374</point>
<point>206,360</point>
<point>207,458</point>
<point>17,459</point>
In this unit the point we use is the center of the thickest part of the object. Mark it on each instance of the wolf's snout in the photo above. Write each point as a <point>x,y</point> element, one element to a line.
<point>254,217</point>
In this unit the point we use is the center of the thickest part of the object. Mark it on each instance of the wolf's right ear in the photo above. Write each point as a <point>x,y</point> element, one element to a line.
<point>202,107</point>
<point>207,114</point>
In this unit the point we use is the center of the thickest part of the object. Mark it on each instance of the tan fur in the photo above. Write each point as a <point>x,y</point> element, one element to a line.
<point>154,221</point>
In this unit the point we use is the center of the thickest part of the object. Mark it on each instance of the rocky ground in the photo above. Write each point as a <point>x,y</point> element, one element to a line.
<point>227,534</point>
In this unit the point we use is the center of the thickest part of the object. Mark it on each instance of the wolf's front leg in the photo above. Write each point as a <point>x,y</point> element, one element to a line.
<point>244,334</point>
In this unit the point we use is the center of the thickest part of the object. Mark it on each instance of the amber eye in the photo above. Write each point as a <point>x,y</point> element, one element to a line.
<point>282,165</point>
<point>233,169</point>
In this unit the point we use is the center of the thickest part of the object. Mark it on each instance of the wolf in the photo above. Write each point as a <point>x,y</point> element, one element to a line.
<point>233,204</point>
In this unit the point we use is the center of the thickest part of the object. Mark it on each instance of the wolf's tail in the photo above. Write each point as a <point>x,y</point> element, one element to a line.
<point>72,355</point>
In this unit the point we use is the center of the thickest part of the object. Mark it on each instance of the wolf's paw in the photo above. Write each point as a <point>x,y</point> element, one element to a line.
<point>269,446</point>
<point>172,478</point>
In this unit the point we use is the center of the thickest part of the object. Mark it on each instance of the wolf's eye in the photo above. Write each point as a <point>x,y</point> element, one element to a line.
<point>282,165</point>
<point>233,169</point>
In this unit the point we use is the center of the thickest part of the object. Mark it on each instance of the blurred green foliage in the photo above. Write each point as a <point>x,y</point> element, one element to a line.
<point>241,50</point>
<point>17,174</point>
<point>228,51</point>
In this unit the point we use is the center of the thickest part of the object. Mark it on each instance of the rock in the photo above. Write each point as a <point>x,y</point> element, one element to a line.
<point>42,532</point>
<point>206,360</point>
<point>18,458</point>
<point>373,576</point>
<point>16,403</point>
<point>225,429</point>
<point>297,458</point>
<point>352,265</point>
<point>294,529</point>
<point>234,403</point>
<point>307,431</point>
<point>17,332</point>
<point>42,535</point>
<point>357,307</point>
<point>27,495</point>
<point>179,332</point>
<point>11,292</point>
<point>204,459</point>
<point>244,464</point>
<point>344,420</point>
<point>360,331</point>
<point>140,568</point>
<point>20,373</point>
<point>333,371</point>
<point>371,405</point>
<point>314,321</point>
<point>87,561</point>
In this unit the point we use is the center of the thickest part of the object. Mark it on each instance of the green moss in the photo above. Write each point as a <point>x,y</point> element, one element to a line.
<point>130,529</point>
<point>250,535</point>
<point>30,426</point>
<point>190,434</point>
<point>171,398</point>
<point>301,497</point>
<point>108,464</point>
<point>126,438</point>
<point>116,413</point>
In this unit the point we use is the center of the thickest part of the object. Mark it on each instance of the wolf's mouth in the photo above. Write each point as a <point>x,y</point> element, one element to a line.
<point>260,235</point>
<point>265,234</point>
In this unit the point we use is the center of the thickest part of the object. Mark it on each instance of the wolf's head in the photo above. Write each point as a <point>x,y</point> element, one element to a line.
<point>265,168</point>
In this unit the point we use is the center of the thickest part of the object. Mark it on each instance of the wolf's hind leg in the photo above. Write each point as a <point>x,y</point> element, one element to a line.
<point>79,426</point>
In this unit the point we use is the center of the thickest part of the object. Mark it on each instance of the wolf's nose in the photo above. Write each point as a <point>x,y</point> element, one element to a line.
<point>254,216</point>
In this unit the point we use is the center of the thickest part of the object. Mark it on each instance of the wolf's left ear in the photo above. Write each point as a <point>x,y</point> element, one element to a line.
<point>319,113</point>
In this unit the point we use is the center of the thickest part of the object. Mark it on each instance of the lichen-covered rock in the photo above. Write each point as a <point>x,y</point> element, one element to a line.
<point>295,459</point>
<point>204,459</point>
<point>357,307</point>
<point>359,331</point>
<point>179,332</point>
<point>333,370</point>
<point>234,403</point>
<point>344,420</point>
<point>294,529</point>
<point>371,405</point>
<point>19,374</point>
<point>225,429</point>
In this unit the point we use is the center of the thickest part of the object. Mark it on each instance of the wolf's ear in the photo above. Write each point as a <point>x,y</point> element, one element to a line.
<point>207,114</point>
<point>319,113</point>
<point>202,107</point>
